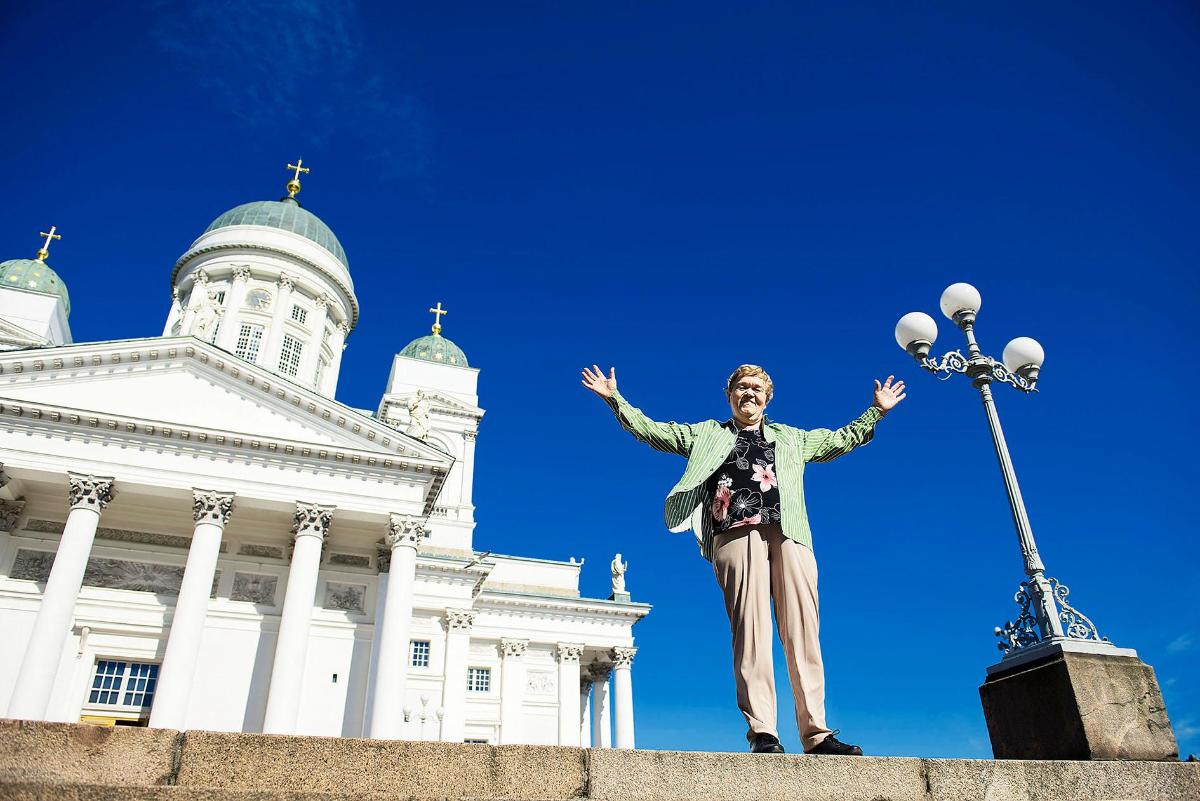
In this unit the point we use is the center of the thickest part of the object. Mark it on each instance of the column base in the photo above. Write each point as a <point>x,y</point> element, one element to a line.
<point>1063,702</point>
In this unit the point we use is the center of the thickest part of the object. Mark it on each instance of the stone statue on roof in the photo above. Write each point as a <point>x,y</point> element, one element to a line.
<point>418,416</point>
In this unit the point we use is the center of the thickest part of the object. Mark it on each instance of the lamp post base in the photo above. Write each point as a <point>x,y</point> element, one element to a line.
<point>1069,703</point>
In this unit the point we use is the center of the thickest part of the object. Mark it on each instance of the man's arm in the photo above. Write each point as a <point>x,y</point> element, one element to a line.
<point>674,438</point>
<point>823,445</point>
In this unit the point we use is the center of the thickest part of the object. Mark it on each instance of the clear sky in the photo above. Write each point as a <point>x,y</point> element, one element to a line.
<point>674,189</point>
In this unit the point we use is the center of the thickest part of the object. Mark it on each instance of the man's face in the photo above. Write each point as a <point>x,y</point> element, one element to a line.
<point>748,400</point>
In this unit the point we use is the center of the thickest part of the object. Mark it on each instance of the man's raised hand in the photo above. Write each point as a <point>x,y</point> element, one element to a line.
<point>593,379</point>
<point>888,394</point>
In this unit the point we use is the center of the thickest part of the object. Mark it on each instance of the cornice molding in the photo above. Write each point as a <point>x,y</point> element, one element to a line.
<point>408,456</point>
<point>539,606</point>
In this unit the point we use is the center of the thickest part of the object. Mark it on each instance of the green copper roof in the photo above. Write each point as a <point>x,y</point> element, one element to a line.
<point>435,348</point>
<point>287,215</point>
<point>36,276</point>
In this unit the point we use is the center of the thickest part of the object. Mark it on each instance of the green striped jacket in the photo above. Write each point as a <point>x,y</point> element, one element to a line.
<point>706,444</point>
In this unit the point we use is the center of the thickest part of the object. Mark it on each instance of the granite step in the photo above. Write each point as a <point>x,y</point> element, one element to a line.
<point>70,761</point>
<point>49,791</point>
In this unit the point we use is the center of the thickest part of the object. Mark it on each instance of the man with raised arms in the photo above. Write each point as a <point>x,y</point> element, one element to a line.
<point>742,493</point>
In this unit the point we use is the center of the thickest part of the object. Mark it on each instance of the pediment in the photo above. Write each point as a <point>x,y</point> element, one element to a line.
<point>439,402</point>
<point>14,334</point>
<point>187,383</point>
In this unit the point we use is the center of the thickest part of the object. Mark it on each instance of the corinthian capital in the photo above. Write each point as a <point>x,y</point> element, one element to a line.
<point>241,272</point>
<point>622,657</point>
<point>403,531</point>
<point>599,672</point>
<point>460,619</point>
<point>513,648</point>
<point>569,652</point>
<point>311,520</point>
<point>210,506</point>
<point>287,282</point>
<point>89,492</point>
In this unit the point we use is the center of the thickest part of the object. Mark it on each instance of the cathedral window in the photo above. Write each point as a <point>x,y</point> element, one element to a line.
<point>221,297</point>
<point>249,338</point>
<point>129,685</point>
<point>289,357</point>
<point>479,680</point>
<point>419,654</point>
<point>299,314</point>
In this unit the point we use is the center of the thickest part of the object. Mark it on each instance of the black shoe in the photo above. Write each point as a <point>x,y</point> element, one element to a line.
<point>765,744</point>
<point>835,747</point>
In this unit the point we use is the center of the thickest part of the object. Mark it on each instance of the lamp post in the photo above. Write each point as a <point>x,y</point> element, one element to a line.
<point>1061,691</point>
<point>1045,616</point>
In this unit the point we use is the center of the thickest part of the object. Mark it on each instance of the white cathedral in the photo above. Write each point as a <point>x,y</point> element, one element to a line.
<point>194,534</point>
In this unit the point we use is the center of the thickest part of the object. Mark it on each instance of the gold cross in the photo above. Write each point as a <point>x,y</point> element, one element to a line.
<point>44,250</point>
<point>293,186</point>
<point>437,320</point>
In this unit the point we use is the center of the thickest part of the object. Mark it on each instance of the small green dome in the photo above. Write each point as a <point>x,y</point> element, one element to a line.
<point>36,276</point>
<point>287,215</point>
<point>435,348</point>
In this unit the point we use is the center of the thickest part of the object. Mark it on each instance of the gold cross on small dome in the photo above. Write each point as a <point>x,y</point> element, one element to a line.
<point>437,320</point>
<point>293,186</point>
<point>44,250</point>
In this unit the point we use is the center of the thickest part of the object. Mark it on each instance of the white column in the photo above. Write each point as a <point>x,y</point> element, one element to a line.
<point>235,301</point>
<point>585,710</point>
<point>196,296</point>
<point>512,688</point>
<point>391,671</point>
<point>568,698</point>
<point>468,467</point>
<point>210,511</point>
<point>601,724</point>
<point>287,673</point>
<point>175,313</point>
<point>281,310</point>
<point>384,561</point>
<point>337,343</point>
<point>31,694</point>
<point>312,349</point>
<point>454,680</point>
<point>623,691</point>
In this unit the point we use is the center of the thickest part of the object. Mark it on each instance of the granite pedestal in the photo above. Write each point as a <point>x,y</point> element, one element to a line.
<point>1060,702</point>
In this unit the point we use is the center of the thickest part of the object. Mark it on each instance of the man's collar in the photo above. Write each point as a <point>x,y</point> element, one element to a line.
<point>732,425</point>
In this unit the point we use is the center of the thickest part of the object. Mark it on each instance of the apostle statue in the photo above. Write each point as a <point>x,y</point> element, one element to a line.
<point>418,416</point>
<point>208,316</point>
<point>618,569</point>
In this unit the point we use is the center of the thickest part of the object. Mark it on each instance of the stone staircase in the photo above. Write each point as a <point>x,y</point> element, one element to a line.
<point>79,762</point>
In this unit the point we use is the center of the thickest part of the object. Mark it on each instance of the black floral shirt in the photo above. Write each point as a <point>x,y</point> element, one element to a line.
<point>744,489</point>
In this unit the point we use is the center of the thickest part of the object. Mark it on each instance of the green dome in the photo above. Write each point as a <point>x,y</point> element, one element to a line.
<point>435,348</point>
<point>35,276</point>
<point>287,215</point>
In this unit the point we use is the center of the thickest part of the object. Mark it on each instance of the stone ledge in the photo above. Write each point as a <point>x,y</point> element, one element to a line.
<point>110,792</point>
<point>75,762</point>
<point>395,767</point>
<point>32,751</point>
<point>694,776</point>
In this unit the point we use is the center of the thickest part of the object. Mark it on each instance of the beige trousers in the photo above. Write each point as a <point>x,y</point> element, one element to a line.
<point>756,565</point>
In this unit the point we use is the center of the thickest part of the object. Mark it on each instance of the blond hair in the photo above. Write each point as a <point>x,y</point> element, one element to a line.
<point>749,370</point>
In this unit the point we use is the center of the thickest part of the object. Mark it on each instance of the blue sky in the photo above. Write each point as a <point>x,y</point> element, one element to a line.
<point>677,188</point>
